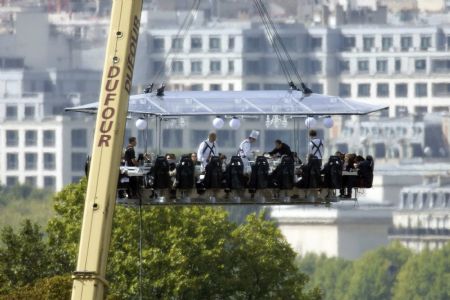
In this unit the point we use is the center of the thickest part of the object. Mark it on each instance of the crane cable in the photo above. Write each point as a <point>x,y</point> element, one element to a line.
<point>272,32</point>
<point>273,41</point>
<point>182,31</point>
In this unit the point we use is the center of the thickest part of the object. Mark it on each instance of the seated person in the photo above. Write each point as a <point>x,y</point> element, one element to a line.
<point>280,149</point>
<point>171,158</point>
<point>195,159</point>
<point>351,161</point>
<point>297,159</point>
<point>365,172</point>
<point>223,159</point>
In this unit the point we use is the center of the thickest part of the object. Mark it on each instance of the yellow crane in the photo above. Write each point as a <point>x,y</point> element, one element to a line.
<point>89,277</point>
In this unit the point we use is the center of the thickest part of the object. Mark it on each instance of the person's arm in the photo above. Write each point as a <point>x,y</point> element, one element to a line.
<point>274,151</point>
<point>246,149</point>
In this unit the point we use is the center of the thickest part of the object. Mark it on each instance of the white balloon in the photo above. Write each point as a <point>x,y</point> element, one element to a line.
<point>218,123</point>
<point>310,122</point>
<point>141,124</point>
<point>328,122</point>
<point>235,123</point>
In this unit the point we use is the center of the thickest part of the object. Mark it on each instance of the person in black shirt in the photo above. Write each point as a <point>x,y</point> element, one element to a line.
<point>280,149</point>
<point>130,154</point>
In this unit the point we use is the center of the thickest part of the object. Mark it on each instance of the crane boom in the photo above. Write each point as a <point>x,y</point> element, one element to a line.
<point>89,277</point>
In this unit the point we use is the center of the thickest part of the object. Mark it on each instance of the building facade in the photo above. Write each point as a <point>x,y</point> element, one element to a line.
<point>422,220</point>
<point>343,231</point>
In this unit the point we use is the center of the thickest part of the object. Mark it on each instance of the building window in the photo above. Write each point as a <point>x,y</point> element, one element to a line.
<point>215,87</point>
<point>405,43</point>
<point>368,43</point>
<point>196,67</point>
<point>344,66</point>
<point>30,112</point>
<point>79,138</point>
<point>158,45</point>
<point>177,44</point>
<point>12,181</point>
<point>215,66</point>
<point>177,67</point>
<point>401,90</point>
<point>158,67</point>
<point>12,161</point>
<point>31,181</point>
<point>50,182</point>
<point>398,65</point>
<point>441,89</point>
<point>421,90</point>
<point>49,161</point>
<point>76,179</point>
<point>425,42</point>
<point>363,66</point>
<point>172,138</point>
<point>231,43</point>
<point>441,65</point>
<point>383,90</point>
<point>214,44</point>
<point>364,90</point>
<point>252,67</point>
<point>12,138</point>
<point>31,161</point>
<point>231,87</point>
<point>420,64</point>
<point>78,161</point>
<point>49,138</point>
<point>253,44</point>
<point>381,66</point>
<point>197,87</point>
<point>30,138</point>
<point>349,43</point>
<point>316,44</point>
<point>316,66</point>
<point>345,90</point>
<point>380,150</point>
<point>196,43</point>
<point>231,66</point>
<point>11,112</point>
<point>386,43</point>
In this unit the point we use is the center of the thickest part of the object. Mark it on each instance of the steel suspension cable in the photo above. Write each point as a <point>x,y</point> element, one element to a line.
<point>273,42</point>
<point>304,88</point>
<point>183,30</point>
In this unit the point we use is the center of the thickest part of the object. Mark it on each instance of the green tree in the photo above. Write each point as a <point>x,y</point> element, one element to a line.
<point>188,253</point>
<point>51,288</point>
<point>425,276</point>
<point>331,275</point>
<point>65,227</point>
<point>374,274</point>
<point>23,256</point>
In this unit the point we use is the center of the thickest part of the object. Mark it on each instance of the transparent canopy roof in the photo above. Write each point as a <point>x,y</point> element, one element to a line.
<point>195,103</point>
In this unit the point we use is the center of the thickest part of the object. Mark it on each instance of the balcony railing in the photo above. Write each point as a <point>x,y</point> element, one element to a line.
<point>419,231</point>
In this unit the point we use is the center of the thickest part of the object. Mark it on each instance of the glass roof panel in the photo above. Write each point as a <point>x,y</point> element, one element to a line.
<point>241,103</point>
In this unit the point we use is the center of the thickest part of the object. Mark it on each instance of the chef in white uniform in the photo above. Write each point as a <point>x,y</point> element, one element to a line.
<point>206,149</point>
<point>245,150</point>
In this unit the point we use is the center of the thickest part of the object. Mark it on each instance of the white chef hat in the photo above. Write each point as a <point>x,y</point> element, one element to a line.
<point>254,134</point>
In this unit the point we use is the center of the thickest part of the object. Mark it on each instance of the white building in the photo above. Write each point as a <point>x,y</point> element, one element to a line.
<point>423,217</point>
<point>342,231</point>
